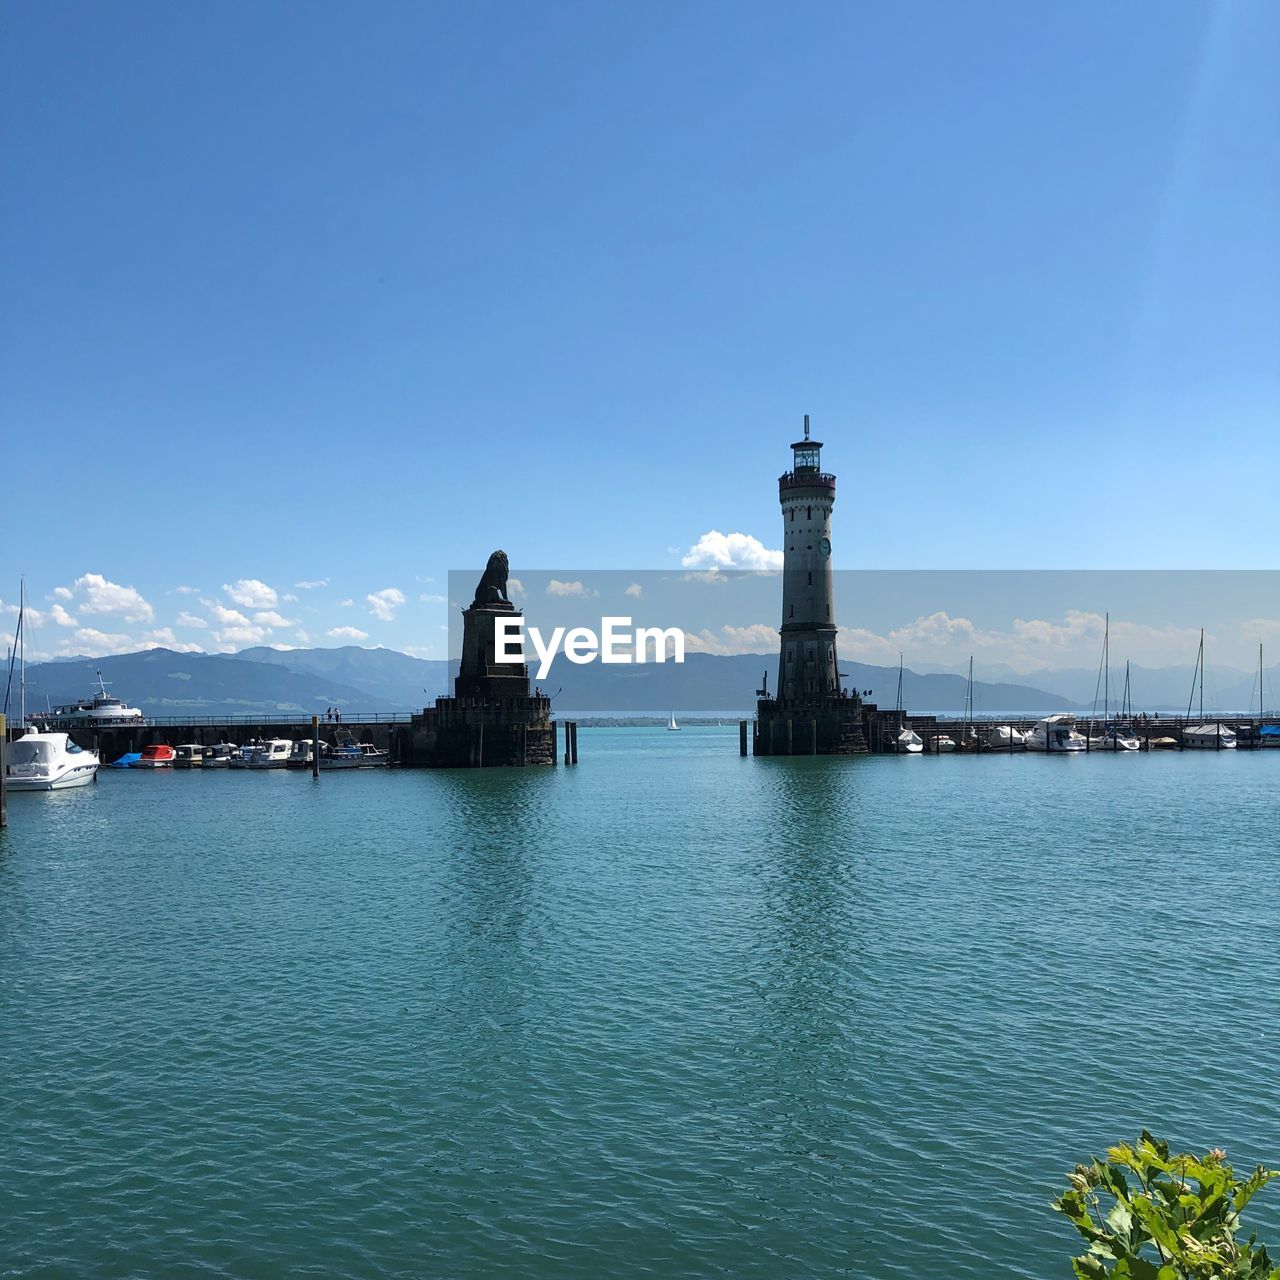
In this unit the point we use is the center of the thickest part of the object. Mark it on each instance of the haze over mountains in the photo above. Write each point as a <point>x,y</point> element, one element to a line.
<point>362,681</point>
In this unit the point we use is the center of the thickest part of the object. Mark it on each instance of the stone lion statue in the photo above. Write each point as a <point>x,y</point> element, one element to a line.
<point>492,587</point>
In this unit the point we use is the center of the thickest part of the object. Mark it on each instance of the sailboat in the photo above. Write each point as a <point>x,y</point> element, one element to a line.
<point>906,741</point>
<point>968,738</point>
<point>1112,737</point>
<point>1202,736</point>
<point>672,727</point>
<point>1268,734</point>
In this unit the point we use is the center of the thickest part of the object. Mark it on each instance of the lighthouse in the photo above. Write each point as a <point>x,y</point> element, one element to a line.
<point>807,666</point>
<point>811,713</point>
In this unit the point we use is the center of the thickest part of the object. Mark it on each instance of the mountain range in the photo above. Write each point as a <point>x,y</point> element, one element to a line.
<point>362,681</point>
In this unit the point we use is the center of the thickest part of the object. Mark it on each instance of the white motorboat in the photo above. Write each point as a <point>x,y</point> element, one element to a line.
<point>102,711</point>
<point>300,754</point>
<point>1209,737</point>
<point>1056,733</point>
<point>244,756</point>
<point>48,762</point>
<point>344,756</point>
<point>1004,737</point>
<point>272,754</point>
<point>941,744</point>
<point>1114,739</point>
<point>190,755</point>
<point>371,757</point>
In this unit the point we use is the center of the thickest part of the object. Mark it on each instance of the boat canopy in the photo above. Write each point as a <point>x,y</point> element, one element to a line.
<point>1270,731</point>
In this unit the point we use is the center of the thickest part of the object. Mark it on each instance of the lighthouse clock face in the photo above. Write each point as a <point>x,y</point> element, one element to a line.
<point>825,546</point>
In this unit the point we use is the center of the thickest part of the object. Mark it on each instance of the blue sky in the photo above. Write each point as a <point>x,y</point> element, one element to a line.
<point>353,294</point>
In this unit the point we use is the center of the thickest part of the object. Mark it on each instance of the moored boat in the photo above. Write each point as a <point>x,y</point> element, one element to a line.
<point>220,755</point>
<point>371,757</point>
<point>1209,737</point>
<point>1114,738</point>
<point>188,755</point>
<point>941,744</point>
<point>272,754</point>
<point>1004,737</point>
<point>300,754</point>
<point>48,762</point>
<point>159,755</point>
<point>1056,733</point>
<point>345,755</point>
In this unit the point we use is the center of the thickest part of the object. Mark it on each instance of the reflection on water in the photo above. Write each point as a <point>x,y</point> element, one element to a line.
<point>671,1012</point>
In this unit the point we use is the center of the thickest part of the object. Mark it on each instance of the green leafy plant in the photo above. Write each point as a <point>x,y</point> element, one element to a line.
<point>1149,1215</point>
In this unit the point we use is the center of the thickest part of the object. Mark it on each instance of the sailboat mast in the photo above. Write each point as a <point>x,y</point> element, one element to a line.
<point>22,652</point>
<point>1106,670</point>
<point>1201,661</point>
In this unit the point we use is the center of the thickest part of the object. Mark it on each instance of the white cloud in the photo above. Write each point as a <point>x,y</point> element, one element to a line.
<point>515,587</point>
<point>312,584</point>
<point>163,638</point>
<point>301,636</point>
<point>383,604</point>
<point>346,604</point>
<point>101,596</point>
<point>269,618</point>
<point>227,617</point>
<point>716,550</point>
<point>432,599</point>
<point>557,588</point>
<point>635,590</point>
<point>187,591</point>
<point>191,620</point>
<point>237,636</point>
<point>101,642</point>
<point>757,637</point>
<point>64,593</point>
<point>251,593</point>
<point>347,633</point>
<point>62,617</point>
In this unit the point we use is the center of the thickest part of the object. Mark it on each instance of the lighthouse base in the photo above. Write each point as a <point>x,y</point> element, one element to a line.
<point>810,727</point>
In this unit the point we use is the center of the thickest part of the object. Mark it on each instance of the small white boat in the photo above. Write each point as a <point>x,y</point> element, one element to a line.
<point>1055,734</point>
<point>1114,739</point>
<point>1209,737</point>
<point>672,727</point>
<point>941,744</point>
<point>371,757</point>
<point>300,754</point>
<point>244,756</point>
<point>1004,737</point>
<point>272,754</point>
<point>47,762</point>
<point>906,742</point>
<point>190,755</point>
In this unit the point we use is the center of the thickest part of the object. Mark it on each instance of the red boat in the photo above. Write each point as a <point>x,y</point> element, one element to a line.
<point>157,756</point>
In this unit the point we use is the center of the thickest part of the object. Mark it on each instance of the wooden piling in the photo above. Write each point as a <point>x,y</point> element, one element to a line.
<point>480,745</point>
<point>742,737</point>
<point>813,737</point>
<point>573,734</point>
<point>315,746</point>
<point>568,732</point>
<point>791,737</point>
<point>4,751</point>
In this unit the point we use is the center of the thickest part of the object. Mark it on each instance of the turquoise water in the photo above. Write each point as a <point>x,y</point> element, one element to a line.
<point>671,1013</point>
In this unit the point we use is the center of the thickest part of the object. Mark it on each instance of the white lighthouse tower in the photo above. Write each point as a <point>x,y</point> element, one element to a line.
<point>807,665</point>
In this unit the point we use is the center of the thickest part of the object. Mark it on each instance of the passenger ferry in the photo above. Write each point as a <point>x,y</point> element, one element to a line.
<point>102,711</point>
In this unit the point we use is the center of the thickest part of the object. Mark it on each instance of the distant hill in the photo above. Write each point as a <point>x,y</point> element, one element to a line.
<point>164,683</point>
<point>307,681</point>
